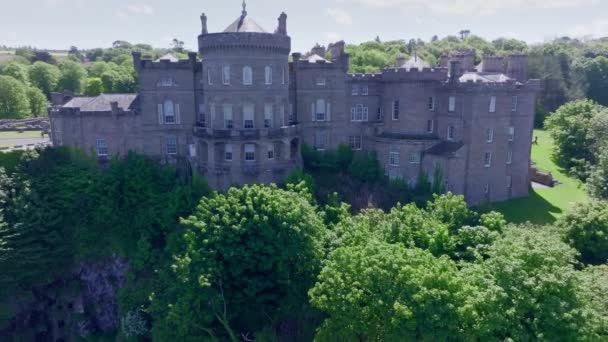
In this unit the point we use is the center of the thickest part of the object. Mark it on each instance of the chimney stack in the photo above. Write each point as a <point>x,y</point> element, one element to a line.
<point>204,23</point>
<point>455,71</point>
<point>282,28</point>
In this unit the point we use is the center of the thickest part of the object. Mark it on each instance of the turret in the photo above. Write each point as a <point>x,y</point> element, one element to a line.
<point>517,67</point>
<point>204,24</point>
<point>282,28</point>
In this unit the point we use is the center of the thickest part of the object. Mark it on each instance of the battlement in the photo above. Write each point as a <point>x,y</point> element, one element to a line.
<point>414,74</point>
<point>147,63</point>
<point>480,86</point>
<point>279,42</point>
<point>363,77</point>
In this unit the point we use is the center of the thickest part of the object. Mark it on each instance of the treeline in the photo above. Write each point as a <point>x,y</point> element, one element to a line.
<point>570,68</point>
<point>28,79</point>
<point>269,263</point>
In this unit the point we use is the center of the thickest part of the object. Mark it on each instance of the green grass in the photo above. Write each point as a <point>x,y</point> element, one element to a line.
<point>544,206</point>
<point>17,135</point>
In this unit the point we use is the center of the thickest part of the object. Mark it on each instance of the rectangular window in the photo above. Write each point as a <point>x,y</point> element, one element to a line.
<point>432,104</point>
<point>321,141</point>
<point>355,142</point>
<point>201,115</point>
<point>268,114</point>
<point>364,90</point>
<point>430,126</point>
<point>268,75</point>
<point>488,159</point>
<point>283,76</point>
<point>321,81</point>
<point>511,134</point>
<point>249,152</point>
<point>228,152</point>
<point>355,90</point>
<point>393,157</point>
<point>270,151</point>
<point>102,147</point>
<point>365,114</point>
<point>380,114</point>
<point>509,182</point>
<point>493,104</point>
<point>209,79</point>
<point>396,110</point>
<point>414,158</point>
<point>226,74</point>
<point>451,132</point>
<point>320,110</point>
<point>359,113</point>
<point>509,157</point>
<point>228,120</point>
<point>171,145</point>
<point>514,103</point>
<point>452,104</point>
<point>166,82</point>
<point>248,115</point>
<point>489,135</point>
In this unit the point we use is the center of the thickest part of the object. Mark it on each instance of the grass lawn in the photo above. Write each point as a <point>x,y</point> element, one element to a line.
<point>16,135</point>
<point>544,205</point>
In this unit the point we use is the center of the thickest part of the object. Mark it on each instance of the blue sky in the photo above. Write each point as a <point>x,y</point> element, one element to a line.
<point>58,24</point>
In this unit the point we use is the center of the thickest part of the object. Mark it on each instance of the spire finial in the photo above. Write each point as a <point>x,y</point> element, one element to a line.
<point>244,13</point>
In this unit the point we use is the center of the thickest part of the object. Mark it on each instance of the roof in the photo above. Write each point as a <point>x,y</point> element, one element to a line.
<point>314,58</point>
<point>445,148</point>
<point>415,62</point>
<point>168,57</point>
<point>102,103</point>
<point>485,77</point>
<point>244,24</point>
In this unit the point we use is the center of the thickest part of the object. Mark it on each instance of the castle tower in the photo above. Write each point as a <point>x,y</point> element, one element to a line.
<point>517,67</point>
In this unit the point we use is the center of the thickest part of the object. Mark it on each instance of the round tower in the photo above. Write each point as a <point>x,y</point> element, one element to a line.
<point>247,130</point>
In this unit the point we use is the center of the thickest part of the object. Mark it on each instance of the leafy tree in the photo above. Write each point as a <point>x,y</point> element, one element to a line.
<point>38,102</point>
<point>25,52</point>
<point>595,281</point>
<point>527,289</point>
<point>248,252</point>
<point>97,69</point>
<point>597,183</point>
<point>16,70</point>
<point>45,77</point>
<point>451,210</point>
<point>93,86</point>
<point>365,167</point>
<point>121,44</point>
<point>381,291</point>
<point>118,80</point>
<point>586,229</point>
<point>14,102</point>
<point>596,74</point>
<point>72,76</point>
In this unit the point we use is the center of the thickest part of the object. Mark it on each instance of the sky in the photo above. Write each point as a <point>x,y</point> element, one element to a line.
<point>59,24</point>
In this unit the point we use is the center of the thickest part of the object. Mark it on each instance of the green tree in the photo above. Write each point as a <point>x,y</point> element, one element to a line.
<point>45,77</point>
<point>14,102</point>
<point>38,102</point>
<point>586,229</point>
<point>118,80</point>
<point>16,70</point>
<point>596,74</point>
<point>597,183</point>
<point>93,86</point>
<point>72,76</point>
<point>385,292</point>
<point>451,210</point>
<point>251,251</point>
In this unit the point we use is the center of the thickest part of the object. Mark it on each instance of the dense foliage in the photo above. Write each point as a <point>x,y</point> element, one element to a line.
<point>586,229</point>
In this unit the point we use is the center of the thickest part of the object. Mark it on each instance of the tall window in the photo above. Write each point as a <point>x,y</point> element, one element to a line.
<point>364,90</point>
<point>396,110</point>
<point>102,147</point>
<point>355,90</point>
<point>209,79</point>
<point>493,104</point>
<point>380,114</point>
<point>249,152</point>
<point>268,114</point>
<point>321,141</point>
<point>511,133</point>
<point>489,135</point>
<point>509,182</point>
<point>283,76</point>
<point>487,162</point>
<point>355,142</point>
<point>228,120</point>
<point>268,75</point>
<point>509,157</point>
<point>247,75</point>
<point>168,112</point>
<point>452,104</point>
<point>228,152</point>
<point>414,158</point>
<point>201,115</point>
<point>393,156</point>
<point>248,116</point>
<point>514,103</point>
<point>320,110</point>
<point>451,132</point>
<point>430,126</point>
<point>171,145</point>
<point>270,151</point>
<point>359,113</point>
<point>432,104</point>
<point>226,74</point>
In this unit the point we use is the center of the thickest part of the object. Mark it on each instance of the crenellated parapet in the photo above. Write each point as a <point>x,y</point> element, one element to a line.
<point>414,74</point>
<point>146,63</point>
<point>364,77</point>
<point>485,87</point>
<point>280,43</point>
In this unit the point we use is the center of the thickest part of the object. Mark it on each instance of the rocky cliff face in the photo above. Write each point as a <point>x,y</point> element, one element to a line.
<point>82,302</point>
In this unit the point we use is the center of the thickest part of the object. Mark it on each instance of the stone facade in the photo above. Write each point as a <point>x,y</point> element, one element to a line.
<point>241,113</point>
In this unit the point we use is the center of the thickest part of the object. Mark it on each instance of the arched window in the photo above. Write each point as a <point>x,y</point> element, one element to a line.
<point>169,112</point>
<point>247,75</point>
<point>268,74</point>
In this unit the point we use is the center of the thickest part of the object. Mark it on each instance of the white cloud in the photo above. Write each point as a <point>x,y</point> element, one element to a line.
<point>340,16</point>
<point>471,7</point>
<point>140,9</point>
<point>596,28</point>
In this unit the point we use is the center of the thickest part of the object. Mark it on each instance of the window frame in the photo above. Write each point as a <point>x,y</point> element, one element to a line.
<point>247,75</point>
<point>394,158</point>
<point>396,110</point>
<point>415,158</point>
<point>514,103</point>
<point>169,104</point>
<point>431,103</point>
<point>487,160</point>
<point>492,106</point>
<point>268,75</point>
<point>226,75</point>
<point>430,126</point>
<point>364,90</point>
<point>451,135</point>
<point>355,142</point>
<point>249,155</point>
<point>101,144</point>
<point>321,115</point>
<point>509,157</point>
<point>171,141</point>
<point>228,151</point>
<point>452,104</point>
<point>321,137</point>
<point>248,117</point>
<point>489,135</point>
<point>511,134</point>
<point>270,154</point>
<point>354,90</point>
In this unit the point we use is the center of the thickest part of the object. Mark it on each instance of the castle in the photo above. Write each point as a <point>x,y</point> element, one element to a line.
<point>241,114</point>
